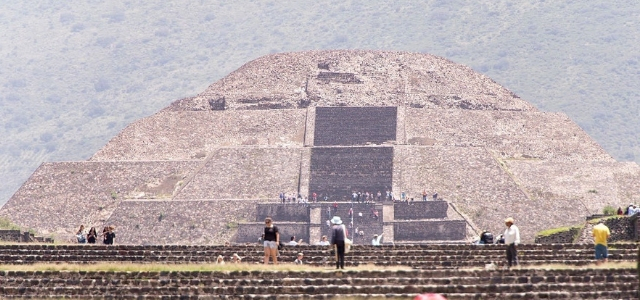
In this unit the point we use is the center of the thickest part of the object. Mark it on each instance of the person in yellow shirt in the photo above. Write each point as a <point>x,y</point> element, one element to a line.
<point>600,235</point>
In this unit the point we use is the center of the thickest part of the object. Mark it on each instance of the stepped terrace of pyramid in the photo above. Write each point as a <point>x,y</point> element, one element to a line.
<point>208,169</point>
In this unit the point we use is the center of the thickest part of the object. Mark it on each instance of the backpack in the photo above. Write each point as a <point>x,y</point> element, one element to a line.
<point>487,237</point>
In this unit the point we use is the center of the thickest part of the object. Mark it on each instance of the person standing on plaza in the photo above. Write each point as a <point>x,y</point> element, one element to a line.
<point>338,237</point>
<point>81,235</point>
<point>271,241</point>
<point>511,239</point>
<point>92,236</point>
<point>600,235</point>
<point>110,236</point>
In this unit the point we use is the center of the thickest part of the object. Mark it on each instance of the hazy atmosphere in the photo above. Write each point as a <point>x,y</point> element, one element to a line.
<point>74,73</point>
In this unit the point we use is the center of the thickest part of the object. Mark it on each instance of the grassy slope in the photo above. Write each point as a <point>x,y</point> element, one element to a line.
<point>73,73</point>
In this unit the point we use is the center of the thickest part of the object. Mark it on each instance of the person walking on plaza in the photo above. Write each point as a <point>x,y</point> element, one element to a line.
<point>511,239</point>
<point>271,241</point>
<point>338,237</point>
<point>600,235</point>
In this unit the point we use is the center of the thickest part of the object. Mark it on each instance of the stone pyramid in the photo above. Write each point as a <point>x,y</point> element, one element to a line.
<point>330,123</point>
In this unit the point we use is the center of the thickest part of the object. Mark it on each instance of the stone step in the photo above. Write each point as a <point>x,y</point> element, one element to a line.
<point>595,273</point>
<point>258,247</point>
<point>604,295</point>
<point>94,281</point>
<point>426,264</point>
<point>342,289</point>
<point>311,257</point>
<point>356,250</point>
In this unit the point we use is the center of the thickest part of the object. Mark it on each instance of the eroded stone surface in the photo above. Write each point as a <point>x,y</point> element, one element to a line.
<point>250,136</point>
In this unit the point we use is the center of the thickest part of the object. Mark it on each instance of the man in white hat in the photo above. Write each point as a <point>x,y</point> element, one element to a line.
<point>338,237</point>
<point>511,239</point>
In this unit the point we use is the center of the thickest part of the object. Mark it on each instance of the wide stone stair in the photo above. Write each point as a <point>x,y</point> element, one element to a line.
<point>367,223</point>
<point>455,271</point>
<point>453,284</point>
<point>414,256</point>
<point>350,126</point>
<point>336,172</point>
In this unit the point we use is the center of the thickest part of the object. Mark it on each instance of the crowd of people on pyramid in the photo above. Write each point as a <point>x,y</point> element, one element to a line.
<point>356,196</point>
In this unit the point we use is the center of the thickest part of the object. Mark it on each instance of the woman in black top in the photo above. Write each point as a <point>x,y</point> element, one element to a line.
<point>271,241</point>
<point>105,230</point>
<point>91,237</point>
<point>110,236</point>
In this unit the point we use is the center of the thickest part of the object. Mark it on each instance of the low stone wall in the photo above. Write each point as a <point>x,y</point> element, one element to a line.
<point>635,227</point>
<point>283,212</point>
<point>249,233</point>
<point>417,231</point>
<point>622,228</point>
<point>564,237</point>
<point>11,235</point>
<point>418,210</point>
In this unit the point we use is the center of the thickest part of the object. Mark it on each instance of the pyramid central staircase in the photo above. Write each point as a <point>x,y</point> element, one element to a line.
<point>352,151</point>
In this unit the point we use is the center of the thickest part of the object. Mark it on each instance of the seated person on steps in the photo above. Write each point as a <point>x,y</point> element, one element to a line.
<point>293,242</point>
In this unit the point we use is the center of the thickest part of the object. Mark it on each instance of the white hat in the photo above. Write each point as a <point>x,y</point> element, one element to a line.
<point>336,220</point>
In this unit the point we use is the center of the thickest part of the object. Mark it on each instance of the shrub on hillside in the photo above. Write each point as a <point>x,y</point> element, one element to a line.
<point>609,210</point>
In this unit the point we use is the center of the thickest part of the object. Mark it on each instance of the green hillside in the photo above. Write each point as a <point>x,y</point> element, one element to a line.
<point>74,73</point>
